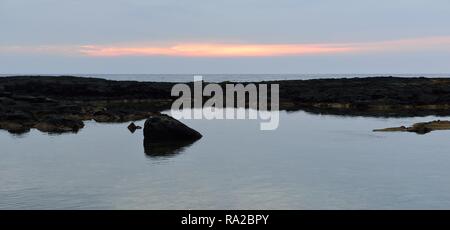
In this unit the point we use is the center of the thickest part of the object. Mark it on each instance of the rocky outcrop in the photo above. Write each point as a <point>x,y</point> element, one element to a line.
<point>374,96</point>
<point>59,125</point>
<point>29,102</point>
<point>16,122</point>
<point>14,127</point>
<point>26,101</point>
<point>419,128</point>
<point>166,128</point>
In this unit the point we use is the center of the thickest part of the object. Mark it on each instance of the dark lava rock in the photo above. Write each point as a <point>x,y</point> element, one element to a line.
<point>16,122</point>
<point>106,117</point>
<point>59,125</point>
<point>166,128</point>
<point>27,101</point>
<point>18,116</point>
<point>166,136</point>
<point>14,127</point>
<point>133,127</point>
<point>114,116</point>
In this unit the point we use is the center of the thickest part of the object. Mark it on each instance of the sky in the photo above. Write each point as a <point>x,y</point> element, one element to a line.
<point>233,36</point>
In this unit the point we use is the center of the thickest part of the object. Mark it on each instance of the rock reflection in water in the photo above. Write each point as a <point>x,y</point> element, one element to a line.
<point>158,149</point>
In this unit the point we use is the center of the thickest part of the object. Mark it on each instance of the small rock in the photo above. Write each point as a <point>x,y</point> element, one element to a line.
<point>133,127</point>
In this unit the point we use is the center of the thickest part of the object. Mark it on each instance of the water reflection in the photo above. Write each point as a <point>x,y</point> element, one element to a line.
<point>165,149</point>
<point>309,162</point>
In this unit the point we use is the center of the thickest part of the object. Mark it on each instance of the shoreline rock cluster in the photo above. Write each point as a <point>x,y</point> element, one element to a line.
<point>61,103</point>
<point>419,128</point>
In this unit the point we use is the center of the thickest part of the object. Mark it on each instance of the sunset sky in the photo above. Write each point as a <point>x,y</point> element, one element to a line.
<point>233,36</point>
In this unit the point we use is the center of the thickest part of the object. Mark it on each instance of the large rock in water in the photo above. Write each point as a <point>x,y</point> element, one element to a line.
<point>166,128</point>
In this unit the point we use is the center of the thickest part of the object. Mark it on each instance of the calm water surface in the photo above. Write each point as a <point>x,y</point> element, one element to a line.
<point>310,162</point>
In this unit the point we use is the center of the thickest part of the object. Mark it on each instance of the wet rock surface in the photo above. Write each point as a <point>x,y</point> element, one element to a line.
<point>59,125</point>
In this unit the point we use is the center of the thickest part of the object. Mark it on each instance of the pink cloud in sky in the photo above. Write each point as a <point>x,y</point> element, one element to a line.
<point>214,50</point>
<point>238,49</point>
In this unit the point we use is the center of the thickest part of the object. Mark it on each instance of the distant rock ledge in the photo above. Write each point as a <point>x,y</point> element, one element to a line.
<point>420,128</point>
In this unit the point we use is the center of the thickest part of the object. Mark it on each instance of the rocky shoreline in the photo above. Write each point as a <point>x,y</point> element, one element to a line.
<point>61,104</point>
<point>419,128</point>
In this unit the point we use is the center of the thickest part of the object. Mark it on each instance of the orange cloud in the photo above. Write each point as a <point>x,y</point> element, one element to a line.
<point>265,50</point>
<point>439,44</point>
<point>213,50</point>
